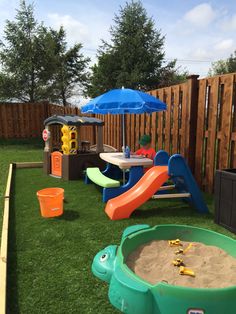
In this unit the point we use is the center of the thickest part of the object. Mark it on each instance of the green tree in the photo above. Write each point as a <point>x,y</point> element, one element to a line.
<point>71,76</point>
<point>171,74</point>
<point>134,57</point>
<point>25,57</point>
<point>36,64</point>
<point>232,62</point>
<point>223,66</point>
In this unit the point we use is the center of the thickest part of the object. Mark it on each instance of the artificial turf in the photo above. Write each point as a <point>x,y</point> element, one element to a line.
<point>49,264</point>
<point>17,150</point>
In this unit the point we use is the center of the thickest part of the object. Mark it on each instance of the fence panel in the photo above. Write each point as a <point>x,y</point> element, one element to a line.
<point>215,142</point>
<point>25,120</point>
<point>170,127</point>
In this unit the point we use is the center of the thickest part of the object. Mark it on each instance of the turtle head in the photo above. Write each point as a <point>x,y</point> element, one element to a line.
<point>103,263</point>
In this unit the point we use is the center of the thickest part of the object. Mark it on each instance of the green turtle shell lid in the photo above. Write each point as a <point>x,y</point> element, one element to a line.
<point>133,295</point>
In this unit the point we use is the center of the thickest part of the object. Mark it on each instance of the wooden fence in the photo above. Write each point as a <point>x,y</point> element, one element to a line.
<point>200,124</point>
<point>172,130</point>
<point>25,120</point>
<point>216,128</point>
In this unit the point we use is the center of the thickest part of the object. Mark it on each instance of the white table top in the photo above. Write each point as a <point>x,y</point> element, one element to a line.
<point>126,163</point>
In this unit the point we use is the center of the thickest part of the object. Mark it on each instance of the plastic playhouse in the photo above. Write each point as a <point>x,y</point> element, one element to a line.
<point>130,294</point>
<point>69,156</point>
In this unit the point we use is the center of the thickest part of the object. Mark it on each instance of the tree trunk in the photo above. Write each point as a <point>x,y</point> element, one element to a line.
<point>63,96</point>
<point>32,85</point>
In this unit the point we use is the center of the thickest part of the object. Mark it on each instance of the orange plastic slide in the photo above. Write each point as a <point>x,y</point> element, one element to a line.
<point>123,205</point>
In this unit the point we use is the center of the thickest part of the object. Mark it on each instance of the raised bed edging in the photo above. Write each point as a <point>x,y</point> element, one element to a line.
<point>5,226</point>
<point>4,242</point>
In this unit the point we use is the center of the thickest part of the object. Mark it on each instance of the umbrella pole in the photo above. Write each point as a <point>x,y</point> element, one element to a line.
<point>123,129</point>
<point>123,135</point>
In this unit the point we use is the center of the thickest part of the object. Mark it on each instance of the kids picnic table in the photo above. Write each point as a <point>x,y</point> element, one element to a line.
<point>135,164</point>
<point>117,159</point>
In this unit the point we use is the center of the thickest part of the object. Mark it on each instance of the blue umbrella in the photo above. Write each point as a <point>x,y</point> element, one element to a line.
<point>122,101</point>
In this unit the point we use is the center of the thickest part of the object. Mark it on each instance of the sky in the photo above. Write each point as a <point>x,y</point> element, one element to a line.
<point>196,32</point>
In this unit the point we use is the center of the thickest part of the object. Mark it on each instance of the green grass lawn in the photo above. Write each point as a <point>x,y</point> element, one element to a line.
<point>50,259</point>
<point>17,150</point>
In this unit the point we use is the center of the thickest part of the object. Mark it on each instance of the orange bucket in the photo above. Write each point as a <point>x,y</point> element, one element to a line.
<point>51,202</point>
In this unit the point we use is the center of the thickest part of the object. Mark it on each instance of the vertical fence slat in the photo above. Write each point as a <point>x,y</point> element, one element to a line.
<point>200,130</point>
<point>147,123</point>
<point>183,120</point>
<point>167,122</point>
<point>211,143</point>
<point>154,124</point>
<point>21,120</point>
<point>142,124</point>
<point>105,133</point>
<point>160,95</point>
<point>154,129</point>
<point>175,131</point>
<point>226,110</point>
<point>115,131</point>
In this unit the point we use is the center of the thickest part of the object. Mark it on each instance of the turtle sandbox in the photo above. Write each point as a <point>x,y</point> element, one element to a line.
<point>131,294</point>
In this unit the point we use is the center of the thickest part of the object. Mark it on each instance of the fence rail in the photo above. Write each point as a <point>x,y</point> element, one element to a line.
<point>200,124</point>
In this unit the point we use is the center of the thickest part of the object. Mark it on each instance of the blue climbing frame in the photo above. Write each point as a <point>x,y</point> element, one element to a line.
<point>182,178</point>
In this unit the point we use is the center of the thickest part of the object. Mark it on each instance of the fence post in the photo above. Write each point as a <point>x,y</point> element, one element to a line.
<point>193,110</point>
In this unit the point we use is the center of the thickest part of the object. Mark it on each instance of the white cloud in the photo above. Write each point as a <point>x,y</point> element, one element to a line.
<point>195,42</point>
<point>201,15</point>
<point>87,33</point>
<point>224,45</point>
<point>75,30</point>
<point>230,23</point>
<point>201,53</point>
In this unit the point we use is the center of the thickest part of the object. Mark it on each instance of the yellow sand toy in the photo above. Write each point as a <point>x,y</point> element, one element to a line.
<point>186,271</point>
<point>175,242</point>
<point>178,262</point>
<point>184,251</point>
<point>188,248</point>
<point>179,251</point>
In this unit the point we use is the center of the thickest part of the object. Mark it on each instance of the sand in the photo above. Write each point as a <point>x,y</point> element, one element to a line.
<point>213,267</point>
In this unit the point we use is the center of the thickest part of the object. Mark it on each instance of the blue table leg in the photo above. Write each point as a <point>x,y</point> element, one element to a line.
<point>112,172</point>
<point>135,175</point>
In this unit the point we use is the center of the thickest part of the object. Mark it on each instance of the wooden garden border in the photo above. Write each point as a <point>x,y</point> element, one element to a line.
<point>4,243</point>
<point>21,165</point>
<point>5,225</point>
